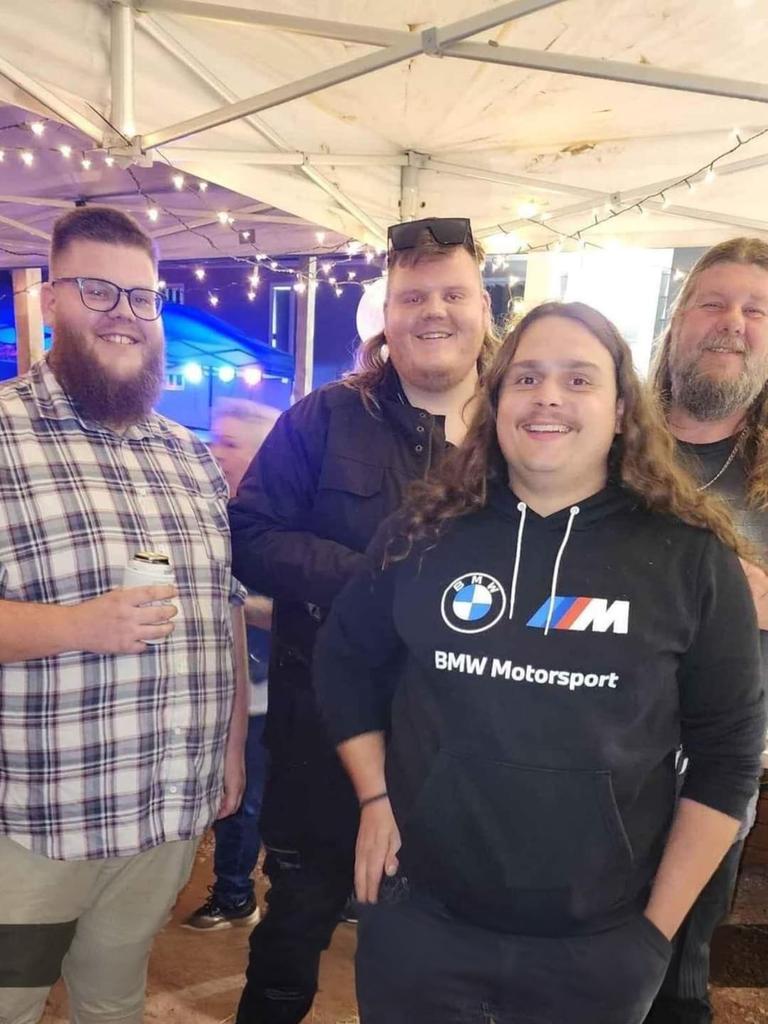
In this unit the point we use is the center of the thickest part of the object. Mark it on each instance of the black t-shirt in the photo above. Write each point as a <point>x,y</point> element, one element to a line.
<point>705,461</point>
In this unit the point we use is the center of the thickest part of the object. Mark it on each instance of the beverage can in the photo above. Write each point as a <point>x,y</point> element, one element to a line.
<point>147,568</point>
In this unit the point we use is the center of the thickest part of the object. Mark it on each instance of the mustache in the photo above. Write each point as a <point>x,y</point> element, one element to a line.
<point>724,341</point>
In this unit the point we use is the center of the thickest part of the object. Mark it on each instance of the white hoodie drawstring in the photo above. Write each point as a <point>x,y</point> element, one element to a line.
<point>521,508</point>
<point>573,513</point>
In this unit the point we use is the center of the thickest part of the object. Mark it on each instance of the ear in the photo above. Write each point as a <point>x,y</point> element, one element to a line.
<point>487,305</point>
<point>47,302</point>
<point>619,416</point>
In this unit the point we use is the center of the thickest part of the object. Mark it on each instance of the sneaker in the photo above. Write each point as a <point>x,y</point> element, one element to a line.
<point>349,913</point>
<point>214,915</point>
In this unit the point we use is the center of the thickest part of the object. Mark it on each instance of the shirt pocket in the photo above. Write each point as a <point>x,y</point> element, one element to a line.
<point>350,501</point>
<point>210,526</point>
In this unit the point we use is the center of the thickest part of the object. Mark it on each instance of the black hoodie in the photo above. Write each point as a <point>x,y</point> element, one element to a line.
<point>532,745</point>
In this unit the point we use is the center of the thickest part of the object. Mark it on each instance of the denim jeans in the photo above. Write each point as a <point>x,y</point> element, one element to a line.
<point>238,839</point>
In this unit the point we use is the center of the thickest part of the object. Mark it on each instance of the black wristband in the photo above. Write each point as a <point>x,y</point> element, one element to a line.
<point>373,799</point>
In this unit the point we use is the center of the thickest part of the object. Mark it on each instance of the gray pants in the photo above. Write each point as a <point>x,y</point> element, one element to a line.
<point>90,921</point>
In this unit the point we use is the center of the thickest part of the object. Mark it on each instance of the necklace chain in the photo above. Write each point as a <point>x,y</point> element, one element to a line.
<point>726,464</point>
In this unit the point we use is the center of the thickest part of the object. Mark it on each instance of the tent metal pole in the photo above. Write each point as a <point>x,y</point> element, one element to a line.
<point>610,70</point>
<point>188,60</point>
<point>49,99</point>
<point>304,347</point>
<point>28,316</point>
<point>430,41</point>
<point>365,35</point>
<point>122,64</point>
<point>294,158</point>
<point>517,180</point>
<point>26,228</point>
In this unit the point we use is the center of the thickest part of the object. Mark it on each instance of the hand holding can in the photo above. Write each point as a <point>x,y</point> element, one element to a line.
<point>149,567</point>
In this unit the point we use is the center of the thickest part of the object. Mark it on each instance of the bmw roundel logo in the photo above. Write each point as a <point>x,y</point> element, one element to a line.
<point>473,602</point>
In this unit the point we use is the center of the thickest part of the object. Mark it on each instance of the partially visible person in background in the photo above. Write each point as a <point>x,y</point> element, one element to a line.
<point>239,427</point>
<point>336,464</point>
<point>711,374</point>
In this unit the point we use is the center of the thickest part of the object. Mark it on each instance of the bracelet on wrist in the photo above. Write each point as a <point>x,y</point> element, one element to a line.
<point>373,799</point>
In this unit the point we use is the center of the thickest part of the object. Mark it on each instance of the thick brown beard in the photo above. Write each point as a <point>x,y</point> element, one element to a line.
<point>97,394</point>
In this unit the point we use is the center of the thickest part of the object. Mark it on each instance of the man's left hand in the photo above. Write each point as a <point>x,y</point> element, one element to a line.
<point>234,784</point>
<point>758,584</point>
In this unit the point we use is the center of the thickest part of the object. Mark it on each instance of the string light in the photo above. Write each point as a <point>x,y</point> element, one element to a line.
<point>178,181</point>
<point>320,236</point>
<point>153,213</point>
<point>527,210</point>
<point>300,287</point>
<point>202,186</point>
<point>251,295</point>
<point>193,373</point>
<point>66,151</point>
<point>200,273</point>
<point>109,161</point>
<point>213,299</point>
<point>85,163</point>
<point>37,128</point>
<point>2,155</point>
<point>222,216</point>
<point>254,279</point>
<point>253,375</point>
<point>226,374</point>
<point>338,292</point>
<point>710,176</point>
<point>351,275</point>
<point>27,157</point>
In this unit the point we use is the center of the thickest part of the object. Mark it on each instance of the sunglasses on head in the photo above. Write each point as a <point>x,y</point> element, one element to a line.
<point>444,230</point>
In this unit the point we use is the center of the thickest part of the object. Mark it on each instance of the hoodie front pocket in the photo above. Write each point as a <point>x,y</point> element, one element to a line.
<point>531,850</point>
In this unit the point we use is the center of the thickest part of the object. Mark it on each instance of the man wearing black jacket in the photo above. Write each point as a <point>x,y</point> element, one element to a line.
<point>335,465</point>
<point>711,372</point>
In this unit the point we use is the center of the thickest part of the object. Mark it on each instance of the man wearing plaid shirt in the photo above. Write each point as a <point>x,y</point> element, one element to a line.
<point>116,752</point>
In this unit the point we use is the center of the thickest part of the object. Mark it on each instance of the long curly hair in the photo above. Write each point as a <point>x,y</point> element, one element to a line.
<point>754,447</point>
<point>371,358</point>
<point>642,457</point>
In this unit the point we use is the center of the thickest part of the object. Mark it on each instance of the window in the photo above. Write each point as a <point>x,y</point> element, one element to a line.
<point>282,316</point>
<point>174,293</point>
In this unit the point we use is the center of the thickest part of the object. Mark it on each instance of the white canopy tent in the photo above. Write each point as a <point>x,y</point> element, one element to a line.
<point>546,121</point>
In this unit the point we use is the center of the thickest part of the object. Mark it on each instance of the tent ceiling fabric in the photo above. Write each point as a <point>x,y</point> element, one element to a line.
<point>334,158</point>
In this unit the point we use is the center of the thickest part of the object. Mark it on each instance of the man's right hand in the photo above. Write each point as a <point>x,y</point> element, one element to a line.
<point>122,621</point>
<point>378,842</point>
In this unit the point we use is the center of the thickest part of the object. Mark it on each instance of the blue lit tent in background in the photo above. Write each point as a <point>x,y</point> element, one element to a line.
<point>206,358</point>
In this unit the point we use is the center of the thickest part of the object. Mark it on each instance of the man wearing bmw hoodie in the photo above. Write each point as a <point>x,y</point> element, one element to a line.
<point>559,609</point>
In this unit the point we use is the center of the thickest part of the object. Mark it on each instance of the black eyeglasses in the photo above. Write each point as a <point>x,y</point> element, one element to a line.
<point>102,296</point>
<point>444,230</point>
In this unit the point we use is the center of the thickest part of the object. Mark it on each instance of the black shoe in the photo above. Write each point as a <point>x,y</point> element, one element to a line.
<point>349,914</point>
<point>214,915</point>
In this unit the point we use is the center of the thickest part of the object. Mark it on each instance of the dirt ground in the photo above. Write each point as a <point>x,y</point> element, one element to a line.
<point>196,978</point>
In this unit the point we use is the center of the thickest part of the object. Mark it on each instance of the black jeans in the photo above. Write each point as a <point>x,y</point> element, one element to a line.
<point>415,962</point>
<point>309,826</point>
<point>684,997</point>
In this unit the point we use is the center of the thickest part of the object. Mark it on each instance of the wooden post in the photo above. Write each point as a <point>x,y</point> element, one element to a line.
<point>28,316</point>
<point>304,342</point>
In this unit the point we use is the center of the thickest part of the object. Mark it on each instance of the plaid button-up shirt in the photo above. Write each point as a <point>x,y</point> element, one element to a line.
<point>108,755</point>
